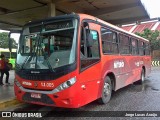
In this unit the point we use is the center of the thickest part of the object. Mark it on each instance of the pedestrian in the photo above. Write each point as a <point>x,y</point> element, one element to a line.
<point>4,68</point>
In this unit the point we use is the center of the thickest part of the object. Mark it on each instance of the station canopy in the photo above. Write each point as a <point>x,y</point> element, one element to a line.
<point>15,13</point>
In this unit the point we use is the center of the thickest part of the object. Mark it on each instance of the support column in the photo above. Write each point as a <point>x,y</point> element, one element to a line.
<point>52,9</point>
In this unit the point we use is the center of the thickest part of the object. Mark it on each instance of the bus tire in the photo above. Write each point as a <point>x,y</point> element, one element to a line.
<point>141,81</point>
<point>106,91</point>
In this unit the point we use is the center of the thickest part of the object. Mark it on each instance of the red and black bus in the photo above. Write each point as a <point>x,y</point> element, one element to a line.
<point>72,60</point>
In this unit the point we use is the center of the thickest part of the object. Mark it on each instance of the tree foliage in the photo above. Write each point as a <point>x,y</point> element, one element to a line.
<point>153,37</point>
<point>4,41</point>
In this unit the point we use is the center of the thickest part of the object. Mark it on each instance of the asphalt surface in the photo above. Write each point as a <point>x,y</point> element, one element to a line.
<point>131,99</point>
<point>7,91</point>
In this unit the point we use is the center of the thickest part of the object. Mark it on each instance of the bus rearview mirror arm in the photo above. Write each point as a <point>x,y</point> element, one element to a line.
<point>88,37</point>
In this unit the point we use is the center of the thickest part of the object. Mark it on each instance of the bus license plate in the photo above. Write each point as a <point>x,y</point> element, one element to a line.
<point>35,95</point>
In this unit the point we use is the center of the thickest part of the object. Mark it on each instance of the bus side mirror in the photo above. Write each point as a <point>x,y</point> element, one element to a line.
<point>85,25</point>
<point>89,40</point>
<point>87,34</point>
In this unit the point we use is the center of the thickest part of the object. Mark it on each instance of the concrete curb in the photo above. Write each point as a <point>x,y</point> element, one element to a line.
<point>9,103</point>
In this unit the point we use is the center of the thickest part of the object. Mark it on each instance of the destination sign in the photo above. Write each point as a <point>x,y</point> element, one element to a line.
<point>51,26</point>
<point>35,29</point>
<point>58,25</point>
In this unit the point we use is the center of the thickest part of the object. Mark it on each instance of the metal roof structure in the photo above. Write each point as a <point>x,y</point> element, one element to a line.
<point>15,13</point>
<point>153,24</point>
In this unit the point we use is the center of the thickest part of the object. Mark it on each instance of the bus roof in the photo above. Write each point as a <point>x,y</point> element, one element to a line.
<point>85,16</point>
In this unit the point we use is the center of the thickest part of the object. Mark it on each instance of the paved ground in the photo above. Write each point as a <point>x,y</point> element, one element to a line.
<point>131,98</point>
<point>7,91</point>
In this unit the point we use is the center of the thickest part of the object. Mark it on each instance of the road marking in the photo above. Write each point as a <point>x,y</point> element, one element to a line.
<point>155,63</point>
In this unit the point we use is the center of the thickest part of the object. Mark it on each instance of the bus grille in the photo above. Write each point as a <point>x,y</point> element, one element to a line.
<point>44,99</point>
<point>39,76</point>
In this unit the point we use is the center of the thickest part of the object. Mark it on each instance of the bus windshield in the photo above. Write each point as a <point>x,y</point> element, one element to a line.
<point>47,46</point>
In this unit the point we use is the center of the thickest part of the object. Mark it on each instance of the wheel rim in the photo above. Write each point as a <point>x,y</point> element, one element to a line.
<point>106,89</point>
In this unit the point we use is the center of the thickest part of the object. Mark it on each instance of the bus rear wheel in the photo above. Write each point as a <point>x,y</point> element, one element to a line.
<point>106,91</point>
<point>142,77</point>
<point>141,81</point>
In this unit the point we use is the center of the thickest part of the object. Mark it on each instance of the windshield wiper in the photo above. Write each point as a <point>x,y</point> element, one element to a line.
<point>25,61</point>
<point>39,47</point>
<point>48,63</point>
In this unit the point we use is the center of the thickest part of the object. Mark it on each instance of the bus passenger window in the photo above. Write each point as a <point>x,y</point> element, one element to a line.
<point>125,44</point>
<point>141,48</point>
<point>134,46</point>
<point>109,41</point>
<point>147,49</point>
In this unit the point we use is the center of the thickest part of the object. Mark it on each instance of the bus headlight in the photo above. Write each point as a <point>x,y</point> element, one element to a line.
<point>16,82</point>
<point>66,84</point>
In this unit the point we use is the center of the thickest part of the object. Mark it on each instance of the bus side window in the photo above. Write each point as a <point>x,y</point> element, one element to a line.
<point>147,49</point>
<point>95,47</point>
<point>134,43</point>
<point>141,48</point>
<point>125,44</point>
<point>89,54</point>
<point>109,41</point>
<point>92,51</point>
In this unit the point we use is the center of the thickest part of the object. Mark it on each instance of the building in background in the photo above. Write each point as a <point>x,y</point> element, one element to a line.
<point>153,24</point>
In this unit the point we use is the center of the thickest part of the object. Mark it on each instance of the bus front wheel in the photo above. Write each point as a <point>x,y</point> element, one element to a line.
<point>106,91</point>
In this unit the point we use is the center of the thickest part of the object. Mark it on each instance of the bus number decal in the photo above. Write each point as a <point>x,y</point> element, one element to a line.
<point>43,84</point>
<point>118,64</point>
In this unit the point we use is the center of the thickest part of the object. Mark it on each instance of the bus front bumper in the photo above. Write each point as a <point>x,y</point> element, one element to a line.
<point>67,98</point>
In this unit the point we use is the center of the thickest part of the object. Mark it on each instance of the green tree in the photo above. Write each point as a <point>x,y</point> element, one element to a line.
<point>4,41</point>
<point>153,37</point>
